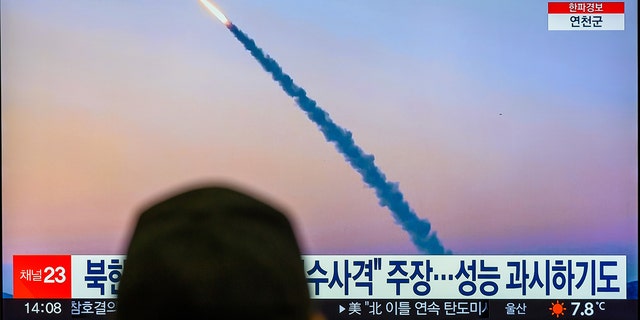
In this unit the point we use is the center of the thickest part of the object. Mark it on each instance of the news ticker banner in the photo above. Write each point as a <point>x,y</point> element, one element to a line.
<point>585,16</point>
<point>364,309</point>
<point>365,276</point>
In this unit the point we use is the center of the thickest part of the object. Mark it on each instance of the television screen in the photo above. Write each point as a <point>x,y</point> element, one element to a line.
<point>488,135</point>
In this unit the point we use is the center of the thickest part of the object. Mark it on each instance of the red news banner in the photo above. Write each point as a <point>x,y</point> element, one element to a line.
<point>66,276</point>
<point>585,16</point>
<point>42,276</point>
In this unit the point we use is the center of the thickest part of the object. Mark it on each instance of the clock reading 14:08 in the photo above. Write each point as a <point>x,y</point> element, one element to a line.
<point>44,307</point>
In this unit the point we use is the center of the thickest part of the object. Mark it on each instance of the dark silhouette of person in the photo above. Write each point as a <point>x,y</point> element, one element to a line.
<point>213,252</point>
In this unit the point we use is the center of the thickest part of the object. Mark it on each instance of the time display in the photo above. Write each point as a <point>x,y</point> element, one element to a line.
<point>369,309</point>
<point>58,309</point>
<point>43,307</point>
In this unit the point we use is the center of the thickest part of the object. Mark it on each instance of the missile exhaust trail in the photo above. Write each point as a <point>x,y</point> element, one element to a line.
<point>388,193</point>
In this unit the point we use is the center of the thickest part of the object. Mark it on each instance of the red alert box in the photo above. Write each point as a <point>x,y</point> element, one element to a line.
<point>42,276</point>
<point>585,16</point>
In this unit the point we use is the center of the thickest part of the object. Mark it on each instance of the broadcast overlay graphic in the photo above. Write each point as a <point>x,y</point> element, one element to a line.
<point>586,16</point>
<point>367,287</point>
<point>517,147</point>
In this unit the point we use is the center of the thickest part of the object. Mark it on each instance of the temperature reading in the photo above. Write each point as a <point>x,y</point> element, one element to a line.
<point>586,309</point>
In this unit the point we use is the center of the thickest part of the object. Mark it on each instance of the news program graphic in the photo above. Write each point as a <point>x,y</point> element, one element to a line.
<point>466,277</point>
<point>366,276</point>
<point>586,16</point>
<point>66,276</point>
<point>557,309</point>
<point>96,276</point>
<point>518,287</point>
<point>42,276</point>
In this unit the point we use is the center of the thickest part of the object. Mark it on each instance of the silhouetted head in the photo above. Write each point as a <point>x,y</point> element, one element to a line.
<point>213,253</point>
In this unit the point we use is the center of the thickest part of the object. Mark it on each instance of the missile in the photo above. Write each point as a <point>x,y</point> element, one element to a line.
<point>216,12</point>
